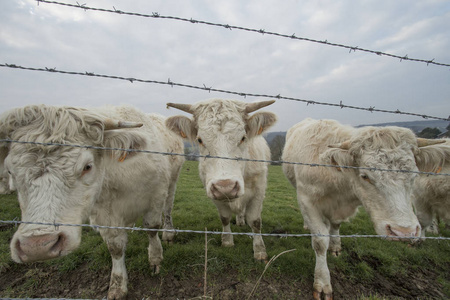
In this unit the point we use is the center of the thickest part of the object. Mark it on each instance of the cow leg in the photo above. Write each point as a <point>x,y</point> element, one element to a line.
<point>335,242</point>
<point>240,218</point>
<point>317,224</point>
<point>116,241</point>
<point>168,205</point>
<point>425,216</point>
<point>225,214</point>
<point>253,216</point>
<point>152,220</point>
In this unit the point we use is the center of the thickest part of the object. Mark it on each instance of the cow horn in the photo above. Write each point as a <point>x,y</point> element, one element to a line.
<point>421,142</point>
<point>111,124</point>
<point>344,145</point>
<point>251,107</point>
<point>184,107</point>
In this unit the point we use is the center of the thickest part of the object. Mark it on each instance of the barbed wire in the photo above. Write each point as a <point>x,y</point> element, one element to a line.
<point>250,234</point>
<point>156,15</point>
<point>226,158</point>
<point>210,89</point>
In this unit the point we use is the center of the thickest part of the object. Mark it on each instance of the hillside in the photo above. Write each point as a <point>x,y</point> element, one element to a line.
<point>415,126</point>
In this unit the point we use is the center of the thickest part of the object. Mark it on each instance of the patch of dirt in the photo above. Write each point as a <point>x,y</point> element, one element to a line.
<point>39,280</point>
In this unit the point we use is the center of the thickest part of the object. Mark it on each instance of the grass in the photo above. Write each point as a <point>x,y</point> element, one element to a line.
<point>362,261</point>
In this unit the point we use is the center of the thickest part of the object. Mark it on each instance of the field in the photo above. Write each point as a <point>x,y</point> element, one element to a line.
<point>369,268</point>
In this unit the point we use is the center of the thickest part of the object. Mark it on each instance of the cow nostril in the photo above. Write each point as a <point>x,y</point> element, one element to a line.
<point>58,245</point>
<point>417,230</point>
<point>19,249</point>
<point>389,230</point>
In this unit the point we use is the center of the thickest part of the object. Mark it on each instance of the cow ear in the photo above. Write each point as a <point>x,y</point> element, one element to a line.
<point>120,139</point>
<point>337,157</point>
<point>433,158</point>
<point>260,122</point>
<point>183,126</point>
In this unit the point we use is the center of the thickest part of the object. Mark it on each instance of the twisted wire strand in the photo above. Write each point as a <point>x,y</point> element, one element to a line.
<point>251,234</point>
<point>222,157</point>
<point>156,15</point>
<point>209,89</point>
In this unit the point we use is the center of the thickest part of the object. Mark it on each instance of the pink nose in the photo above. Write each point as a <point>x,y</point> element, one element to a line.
<point>402,231</point>
<point>225,189</point>
<point>40,247</point>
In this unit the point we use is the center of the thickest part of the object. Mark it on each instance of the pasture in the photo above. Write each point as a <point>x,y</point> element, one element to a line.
<point>369,268</point>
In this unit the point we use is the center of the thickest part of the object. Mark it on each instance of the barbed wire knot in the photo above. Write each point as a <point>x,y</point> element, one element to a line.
<point>118,11</point>
<point>207,88</point>
<point>353,49</point>
<point>82,6</point>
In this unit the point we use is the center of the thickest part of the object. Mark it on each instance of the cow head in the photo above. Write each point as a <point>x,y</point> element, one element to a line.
<point>385,195</point>
<point>222,128</point>
<point>55,184</point>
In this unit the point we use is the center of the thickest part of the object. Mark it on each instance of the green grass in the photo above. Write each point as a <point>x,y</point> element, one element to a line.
<point>361,262</point>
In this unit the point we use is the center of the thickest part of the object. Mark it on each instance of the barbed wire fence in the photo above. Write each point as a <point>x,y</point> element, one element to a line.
<point>242,94</point>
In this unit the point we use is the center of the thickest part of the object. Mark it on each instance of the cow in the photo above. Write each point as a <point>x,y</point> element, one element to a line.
<point>5,183</point>
<point>431,194</point>
<point>224,128</point>
<point>69,185</point>
<point>328,196</point>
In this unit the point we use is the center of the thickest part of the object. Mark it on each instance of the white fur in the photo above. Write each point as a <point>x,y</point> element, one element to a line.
<point>432,193</point>
<point>328,196</point>
<point>226,130</point>
<point>72,185</point>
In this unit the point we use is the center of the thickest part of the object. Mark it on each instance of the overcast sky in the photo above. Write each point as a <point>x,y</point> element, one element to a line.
<point>71,39</point>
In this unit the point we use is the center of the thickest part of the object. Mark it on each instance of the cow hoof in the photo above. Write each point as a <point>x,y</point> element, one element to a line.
<point>317,296</point>
<point>116,294</point>
<point>228,244</point>
<point>168,242</point>
<point>155,269</point>
<point>167,237</point>
<point>261,257</point>
<point>336,253</point>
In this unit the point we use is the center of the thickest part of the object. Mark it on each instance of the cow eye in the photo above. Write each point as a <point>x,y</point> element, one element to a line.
<point>243,139</point>
<point>86,169</point>
<point>365,177</point>
<point>199,140</point>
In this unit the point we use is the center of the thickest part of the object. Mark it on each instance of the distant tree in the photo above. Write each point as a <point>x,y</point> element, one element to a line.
<point>276,147</point>
<point>429,133</point>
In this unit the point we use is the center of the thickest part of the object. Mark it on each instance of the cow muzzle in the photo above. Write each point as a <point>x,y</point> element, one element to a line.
<point>397,233</point>
<point>37,248</point>
<point>225,189</point>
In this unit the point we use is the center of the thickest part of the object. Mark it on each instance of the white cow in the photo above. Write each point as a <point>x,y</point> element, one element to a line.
<point>224,128</point>
<point>329,196</point>
<point>64,184</point>
<point>432,193</point>
<point>5,182</point>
